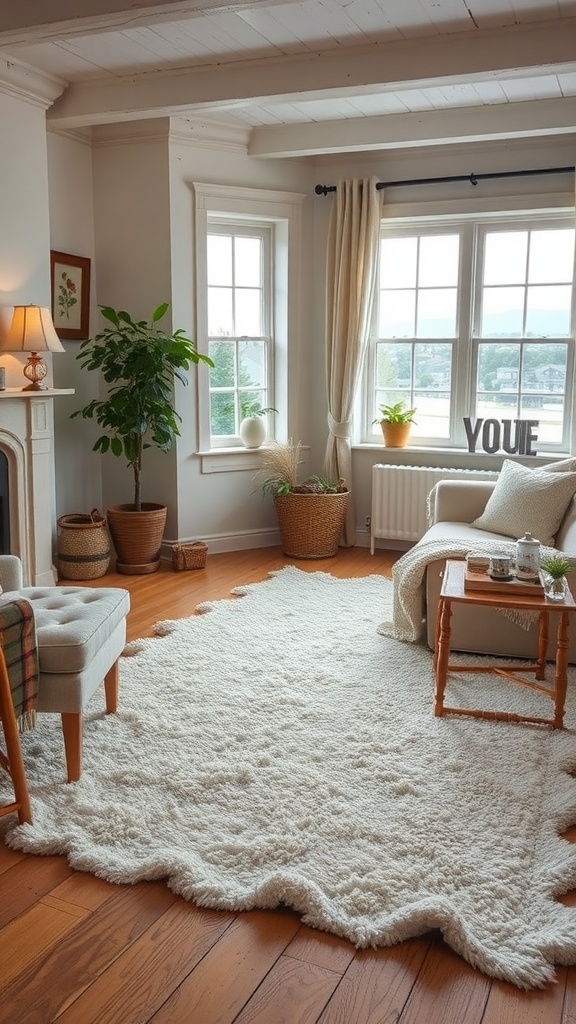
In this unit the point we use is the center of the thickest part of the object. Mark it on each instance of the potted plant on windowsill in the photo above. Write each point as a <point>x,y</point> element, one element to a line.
<point>311,514</point>
<point>253,426</point>
<point>395,421</point>
<point>138,361</point>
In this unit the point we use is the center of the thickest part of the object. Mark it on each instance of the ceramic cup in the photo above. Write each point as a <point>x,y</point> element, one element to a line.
<point>501,566</point>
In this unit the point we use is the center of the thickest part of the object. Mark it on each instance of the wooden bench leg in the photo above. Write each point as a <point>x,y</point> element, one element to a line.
<point>72,727</point>
<point>13,762</point>
<point>111,689</point>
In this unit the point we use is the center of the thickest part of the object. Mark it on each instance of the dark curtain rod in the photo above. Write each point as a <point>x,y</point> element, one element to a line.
<point>473,179</point>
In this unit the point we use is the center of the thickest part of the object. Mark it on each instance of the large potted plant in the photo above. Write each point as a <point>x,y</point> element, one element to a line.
<point>311,514</point>
<point>138,361</point>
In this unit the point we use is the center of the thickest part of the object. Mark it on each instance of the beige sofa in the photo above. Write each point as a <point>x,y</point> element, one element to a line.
<point>455,505</point>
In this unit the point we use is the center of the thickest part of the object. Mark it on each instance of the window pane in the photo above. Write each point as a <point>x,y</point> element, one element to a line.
<point>397,314</point>
<point>432,367</point>
<point>219,259</point>
<point>248,262</point>
<point>222,414</point>
<point>544,368</point>
<point>248,311</point>
<point>549,413</point>
<point>496,406</point>
<point>251,364</point>
<point>220,312</point>
<point>498,368</point>
<point>502,313</point>
<point>251,402</point>
<point>222,374</point>
<point>398,262</point>
<point>432,417</point>
<point>438,260</point>
<point>437,313</point>
<point>505,257</point>
<point>393,368</point>
<point>551,256</point>
<point>548,311</point>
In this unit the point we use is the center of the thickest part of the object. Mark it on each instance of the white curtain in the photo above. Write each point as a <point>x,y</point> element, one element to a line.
<point>350,287</point>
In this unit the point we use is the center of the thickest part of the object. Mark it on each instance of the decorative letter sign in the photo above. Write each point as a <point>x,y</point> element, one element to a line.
<point>515,441</point>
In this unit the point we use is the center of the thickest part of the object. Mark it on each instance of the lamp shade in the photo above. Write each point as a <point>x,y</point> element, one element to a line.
<point>32,330</point>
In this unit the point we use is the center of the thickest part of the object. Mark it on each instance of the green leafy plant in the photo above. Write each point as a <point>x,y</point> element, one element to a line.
<point>255,409</point>
<point>395,414</point>
<point>139,361</point>
<point>280,462</point>
<point>556,566</point>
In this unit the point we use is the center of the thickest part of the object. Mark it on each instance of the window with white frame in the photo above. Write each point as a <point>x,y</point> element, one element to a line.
<point>475,318</point>
<point>240,318</point>
<point>247,246</point>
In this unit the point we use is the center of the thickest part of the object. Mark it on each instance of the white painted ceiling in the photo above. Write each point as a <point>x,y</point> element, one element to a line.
<point>308,77</point>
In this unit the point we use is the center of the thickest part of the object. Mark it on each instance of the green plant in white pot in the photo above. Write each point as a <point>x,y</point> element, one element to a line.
<point>253,425</point>
<point>138,361</point>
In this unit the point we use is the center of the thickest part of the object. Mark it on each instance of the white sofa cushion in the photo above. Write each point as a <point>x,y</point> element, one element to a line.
<point>528,501</point>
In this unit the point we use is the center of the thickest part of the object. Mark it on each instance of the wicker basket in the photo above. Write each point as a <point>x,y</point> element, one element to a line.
<point>311,524</point>
<point>189,556</point>
<point>83,550</point>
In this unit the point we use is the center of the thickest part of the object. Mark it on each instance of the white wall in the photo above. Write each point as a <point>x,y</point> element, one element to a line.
<point>78,468</point>
<point>230,504</point>
<point>144,254</point>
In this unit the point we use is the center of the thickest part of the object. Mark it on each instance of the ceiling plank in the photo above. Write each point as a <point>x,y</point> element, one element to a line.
<point>400,131</point>
<point>39,21</point>
<point>540,48</point>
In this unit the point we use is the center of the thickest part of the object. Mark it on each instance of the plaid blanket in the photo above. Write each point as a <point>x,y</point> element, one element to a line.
<point>18,642</point>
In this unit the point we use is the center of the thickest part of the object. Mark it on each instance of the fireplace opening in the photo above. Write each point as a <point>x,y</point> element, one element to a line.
<point>4,507</point>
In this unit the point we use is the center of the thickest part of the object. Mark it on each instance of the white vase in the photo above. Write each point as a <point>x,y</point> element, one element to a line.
<point>253,431</point>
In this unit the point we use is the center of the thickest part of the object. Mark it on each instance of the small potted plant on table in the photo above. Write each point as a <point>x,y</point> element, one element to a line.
<point>555,569</point>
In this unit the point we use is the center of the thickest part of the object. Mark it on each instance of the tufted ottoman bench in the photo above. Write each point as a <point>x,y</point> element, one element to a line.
<point>81,632</point>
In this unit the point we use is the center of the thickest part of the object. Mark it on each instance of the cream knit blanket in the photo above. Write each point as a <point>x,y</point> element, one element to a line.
<point>409,577</point>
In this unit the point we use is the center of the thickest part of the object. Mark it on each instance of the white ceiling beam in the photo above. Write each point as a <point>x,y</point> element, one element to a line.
<point>430,128</point>
<point>536,48</point>
<point>33,21</point>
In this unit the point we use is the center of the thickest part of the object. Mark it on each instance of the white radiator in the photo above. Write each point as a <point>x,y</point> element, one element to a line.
<point>400,497</point>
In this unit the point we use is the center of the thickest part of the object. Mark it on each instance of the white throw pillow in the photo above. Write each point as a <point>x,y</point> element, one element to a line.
<point>528,501</point>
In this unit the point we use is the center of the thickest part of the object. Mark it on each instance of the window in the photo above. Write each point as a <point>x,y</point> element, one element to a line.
<point>239,319</point>
<point>247,244</point>
<point>475,318</point>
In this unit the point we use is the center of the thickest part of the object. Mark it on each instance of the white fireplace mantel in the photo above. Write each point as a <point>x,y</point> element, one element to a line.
<point>27,440</point>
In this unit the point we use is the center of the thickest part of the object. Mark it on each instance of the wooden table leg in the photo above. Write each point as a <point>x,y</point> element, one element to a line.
<point>542,645</point>
<point>561,670</point>
<point>442,653</point>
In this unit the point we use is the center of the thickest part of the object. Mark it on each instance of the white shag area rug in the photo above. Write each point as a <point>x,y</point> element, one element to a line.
<point>276,750</point>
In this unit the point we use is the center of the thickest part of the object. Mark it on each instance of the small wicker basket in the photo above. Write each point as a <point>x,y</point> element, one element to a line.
<point>189,556</point>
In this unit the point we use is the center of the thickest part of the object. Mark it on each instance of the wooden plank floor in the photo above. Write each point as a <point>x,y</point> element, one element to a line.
<point>77,950</point>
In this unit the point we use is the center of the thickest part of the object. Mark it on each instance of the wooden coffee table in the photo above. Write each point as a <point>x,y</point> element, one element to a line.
<point>453,591</point>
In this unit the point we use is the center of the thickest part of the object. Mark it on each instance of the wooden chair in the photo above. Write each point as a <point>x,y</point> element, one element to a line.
<point>12,760</point>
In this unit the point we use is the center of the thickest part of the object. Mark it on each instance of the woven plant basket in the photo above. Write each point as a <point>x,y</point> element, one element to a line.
<point>137,536</point>
<point>189,556</point>
<point>83,549</point>
<point>311,524</point>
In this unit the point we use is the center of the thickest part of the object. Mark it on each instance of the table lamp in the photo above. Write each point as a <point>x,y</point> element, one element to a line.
<point>32,331</point>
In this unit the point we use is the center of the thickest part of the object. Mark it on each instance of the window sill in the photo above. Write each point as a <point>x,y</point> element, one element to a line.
<point>229,460</point>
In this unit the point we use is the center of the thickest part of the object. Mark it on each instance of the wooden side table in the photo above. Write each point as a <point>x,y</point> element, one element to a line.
<point>453,591</point>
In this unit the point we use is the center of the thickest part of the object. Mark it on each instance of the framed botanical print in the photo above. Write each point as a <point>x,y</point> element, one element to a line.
<point>70,280</point>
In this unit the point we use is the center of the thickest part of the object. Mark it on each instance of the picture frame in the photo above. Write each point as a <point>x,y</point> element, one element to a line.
<point>70,284</point>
